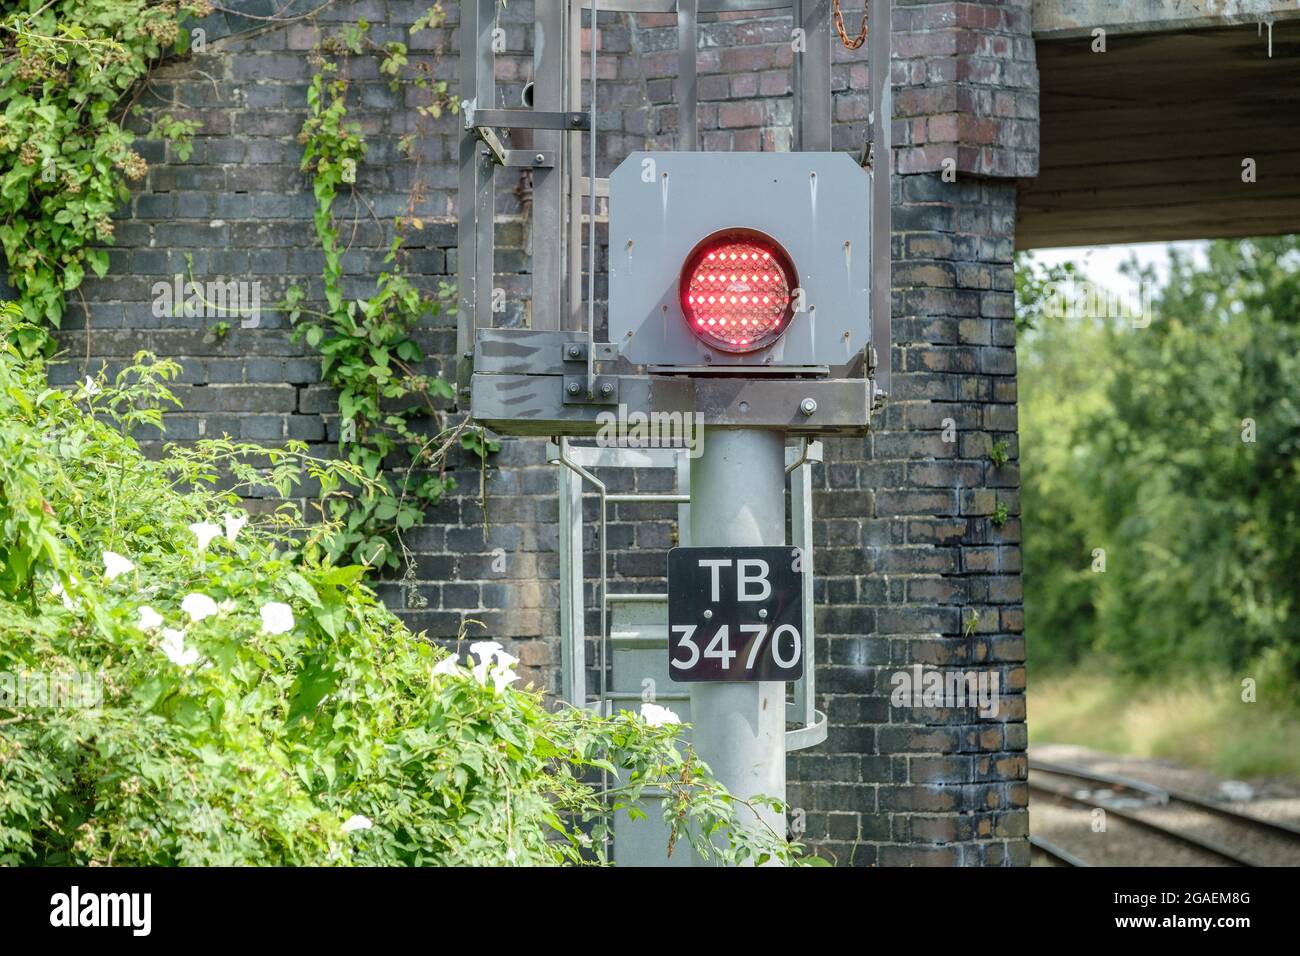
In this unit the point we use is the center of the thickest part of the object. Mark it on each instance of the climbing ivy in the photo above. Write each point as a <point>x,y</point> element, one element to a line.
<point>68,69</point>
<point>368,350</point>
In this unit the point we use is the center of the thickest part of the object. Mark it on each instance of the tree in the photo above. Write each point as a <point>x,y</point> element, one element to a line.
<point>1174,448</point>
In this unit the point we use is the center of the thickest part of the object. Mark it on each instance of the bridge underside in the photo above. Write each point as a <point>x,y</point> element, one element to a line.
<point>1146,141</point>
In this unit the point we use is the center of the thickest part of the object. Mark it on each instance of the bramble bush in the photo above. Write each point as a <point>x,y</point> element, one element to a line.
<point>259,704</point>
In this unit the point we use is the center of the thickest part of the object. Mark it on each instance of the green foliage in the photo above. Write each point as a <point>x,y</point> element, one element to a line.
<point>65,66</point>
<point>1063,379</point>
<point>1034,285</point>
<point>1000,453</point>
<point>259,705</point>
<point>1135,441</point>
<point>64,162</point>
<point>180,133</point>
<point>369,353</point>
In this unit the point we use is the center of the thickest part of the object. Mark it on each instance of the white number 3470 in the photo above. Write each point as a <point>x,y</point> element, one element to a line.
<point>719,648</point>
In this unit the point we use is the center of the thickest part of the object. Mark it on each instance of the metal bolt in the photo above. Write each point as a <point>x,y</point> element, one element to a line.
<point>708,615</point>
<point>762,613</point>
<point>574,351</point>
<point>539,159</point>
<point>576,119</point>
<point>607,389</point>
<point>808,406</point>
<point>573,388</point>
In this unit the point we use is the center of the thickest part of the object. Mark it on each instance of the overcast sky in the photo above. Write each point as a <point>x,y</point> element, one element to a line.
<point>1101,263</point>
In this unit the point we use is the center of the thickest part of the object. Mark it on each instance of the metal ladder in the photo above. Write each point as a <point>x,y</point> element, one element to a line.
<point>634,627</point>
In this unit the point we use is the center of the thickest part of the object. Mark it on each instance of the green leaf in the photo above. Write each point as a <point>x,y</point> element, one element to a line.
<point>98,259</point>
<point>294,584</point>
<point>330,615</point>
<point>72,276</point>
<point>314,681</point>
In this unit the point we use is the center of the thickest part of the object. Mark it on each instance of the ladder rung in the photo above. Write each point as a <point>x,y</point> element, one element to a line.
<point>632,644</point>
<point>664,498</point>
<point>602,186</point>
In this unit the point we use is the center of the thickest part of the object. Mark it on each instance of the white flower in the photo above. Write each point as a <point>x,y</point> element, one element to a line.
<point>356,822</point>
<point>58,591</point>
<point>503,675</point>
<point>149,618</point>
<point>91,386</point>
<point>448,666</point>
<point>198,606</point>
<point>277,618</point>
<point>205,531</point>
<point>657,716</point>
<point>486,652</point>
<point>115,564</point>
<point>173,645</point>
<point>233,523</point>
<point>494,664</point>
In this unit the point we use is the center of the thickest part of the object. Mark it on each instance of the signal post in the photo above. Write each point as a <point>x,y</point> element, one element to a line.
<point>738,501</point>
<point>749,291</point>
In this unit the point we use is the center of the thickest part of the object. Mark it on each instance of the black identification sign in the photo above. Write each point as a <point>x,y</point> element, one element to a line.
<point>735,614</point>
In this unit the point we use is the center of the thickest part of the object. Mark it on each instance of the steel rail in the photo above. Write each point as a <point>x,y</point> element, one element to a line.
<point>1205,846</point>
<point>1178,796</point>
<point>1159,794</point>
<point>1056,852</point>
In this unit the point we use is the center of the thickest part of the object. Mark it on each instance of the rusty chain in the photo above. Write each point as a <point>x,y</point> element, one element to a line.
<point>851,43</point>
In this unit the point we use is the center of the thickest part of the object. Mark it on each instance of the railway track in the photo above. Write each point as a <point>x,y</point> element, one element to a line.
<point>1140,804</point>
<point>1057,854</point>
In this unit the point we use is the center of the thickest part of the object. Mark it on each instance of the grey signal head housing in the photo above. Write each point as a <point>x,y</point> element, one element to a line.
<point>815,207</point>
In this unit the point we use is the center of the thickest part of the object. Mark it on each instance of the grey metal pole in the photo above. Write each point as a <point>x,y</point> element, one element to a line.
<point>738,500</point>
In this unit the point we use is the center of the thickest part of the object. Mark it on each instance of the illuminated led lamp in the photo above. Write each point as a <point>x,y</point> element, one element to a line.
<point>737,290</point>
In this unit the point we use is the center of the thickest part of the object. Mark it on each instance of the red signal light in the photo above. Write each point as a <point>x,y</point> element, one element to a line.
<point>737,290</point>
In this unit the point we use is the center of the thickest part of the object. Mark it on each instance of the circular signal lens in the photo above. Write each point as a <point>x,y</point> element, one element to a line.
<point>737,290</point>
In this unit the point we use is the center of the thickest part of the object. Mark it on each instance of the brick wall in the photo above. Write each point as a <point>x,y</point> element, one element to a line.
<point>911,566</point>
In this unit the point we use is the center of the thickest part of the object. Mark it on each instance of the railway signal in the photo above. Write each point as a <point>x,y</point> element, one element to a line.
<point>747,291</point>
<point>741,261</point>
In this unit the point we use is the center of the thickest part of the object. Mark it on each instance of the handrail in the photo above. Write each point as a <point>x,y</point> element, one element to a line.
<point>584,474</point>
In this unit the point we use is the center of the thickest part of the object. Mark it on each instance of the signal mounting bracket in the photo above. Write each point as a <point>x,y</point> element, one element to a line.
<point>518,380</point>
<point>603,391</point>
